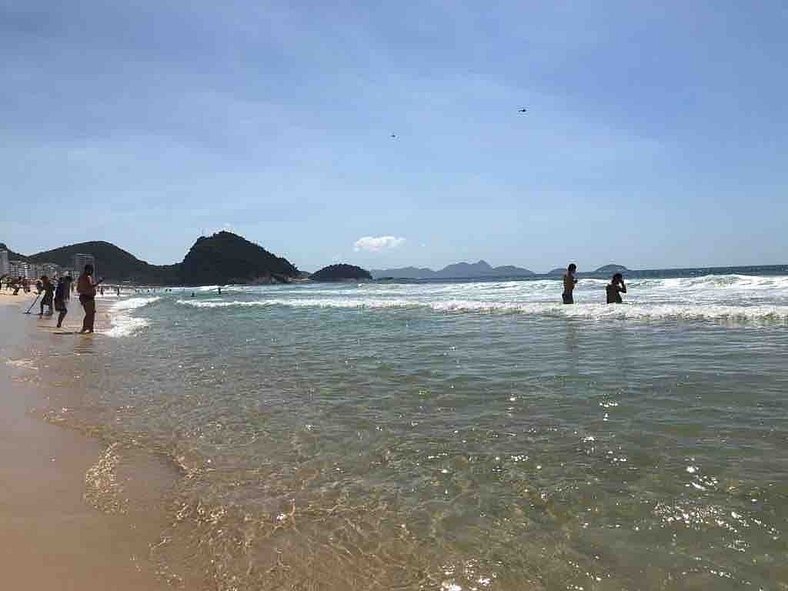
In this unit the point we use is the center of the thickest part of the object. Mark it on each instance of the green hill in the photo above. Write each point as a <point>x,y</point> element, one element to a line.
<point>219,259</point>
<point>341,272</point>
<point>113,263</point>
<point>12,256</point>
<point>228,258</point>
<point>612,269</point>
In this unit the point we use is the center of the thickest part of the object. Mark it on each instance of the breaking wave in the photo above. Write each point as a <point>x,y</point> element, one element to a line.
<point>123,323</point>
<point>632,311</point>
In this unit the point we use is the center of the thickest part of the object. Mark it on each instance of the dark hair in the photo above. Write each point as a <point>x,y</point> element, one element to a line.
<point>88,268</point>
<point>571,267</point>
<point>618,276</point>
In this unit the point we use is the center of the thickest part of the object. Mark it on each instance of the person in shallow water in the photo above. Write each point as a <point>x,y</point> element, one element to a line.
<point>62,295</point>
<point>569,284</point>
<point>615,288</point>
<point>48,289</point>
<point>86,288</point>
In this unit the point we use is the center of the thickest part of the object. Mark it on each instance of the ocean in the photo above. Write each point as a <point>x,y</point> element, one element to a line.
<point>452,436</point>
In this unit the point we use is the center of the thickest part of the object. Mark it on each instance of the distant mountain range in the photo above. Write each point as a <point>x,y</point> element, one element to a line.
<point>478,270</point>
<point>604,270</point>
<point>219,259</point>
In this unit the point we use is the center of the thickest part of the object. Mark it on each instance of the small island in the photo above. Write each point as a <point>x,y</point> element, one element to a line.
<point>608,269</point>
<point>341,272</point>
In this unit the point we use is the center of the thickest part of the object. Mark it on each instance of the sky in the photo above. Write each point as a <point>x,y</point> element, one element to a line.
<point>386,134</point>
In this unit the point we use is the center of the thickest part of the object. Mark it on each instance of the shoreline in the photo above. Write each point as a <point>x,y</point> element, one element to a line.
<point>57,530</point>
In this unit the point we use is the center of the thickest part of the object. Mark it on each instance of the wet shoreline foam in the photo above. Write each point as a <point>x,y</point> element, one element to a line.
<point>123,321</point>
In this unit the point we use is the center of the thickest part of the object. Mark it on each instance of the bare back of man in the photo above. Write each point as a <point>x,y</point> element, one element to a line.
<point>569,284</point>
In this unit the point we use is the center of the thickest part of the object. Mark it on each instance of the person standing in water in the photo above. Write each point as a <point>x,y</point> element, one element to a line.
<point>569,284</point>
<point>86,288</point>
<point>62,295</point>
<point>48,290</point>
<point>615,288</point>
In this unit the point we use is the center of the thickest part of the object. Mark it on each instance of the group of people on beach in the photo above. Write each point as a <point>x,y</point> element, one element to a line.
<point>55,297</point>
<point>613,290</point>
<point>16,283</point>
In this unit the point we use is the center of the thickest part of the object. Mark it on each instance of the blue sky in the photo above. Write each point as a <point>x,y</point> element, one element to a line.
<point>656,133</point>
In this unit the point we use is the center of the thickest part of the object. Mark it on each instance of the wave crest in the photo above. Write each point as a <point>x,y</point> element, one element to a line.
<point>634,311</point>
<point>123,323</point>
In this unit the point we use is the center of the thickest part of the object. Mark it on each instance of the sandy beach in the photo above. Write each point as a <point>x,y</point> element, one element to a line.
<point>53,535</point>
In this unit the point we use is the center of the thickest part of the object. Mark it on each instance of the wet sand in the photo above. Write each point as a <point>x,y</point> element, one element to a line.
<point>53,535</point>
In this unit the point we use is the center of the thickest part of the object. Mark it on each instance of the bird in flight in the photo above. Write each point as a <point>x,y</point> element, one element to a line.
<point>393,135</point>
<point>523,110</point>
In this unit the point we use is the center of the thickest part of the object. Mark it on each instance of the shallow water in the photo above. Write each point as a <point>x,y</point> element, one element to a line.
<point>456,436</point>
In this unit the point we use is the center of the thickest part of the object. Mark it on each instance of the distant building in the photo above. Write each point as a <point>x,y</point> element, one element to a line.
<point>51,270</point>
<point>20,269</point>
<point>5,264</point>
<point>80,260</point>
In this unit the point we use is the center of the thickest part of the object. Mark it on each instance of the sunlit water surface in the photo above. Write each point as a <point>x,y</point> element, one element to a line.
<point>456,436</point>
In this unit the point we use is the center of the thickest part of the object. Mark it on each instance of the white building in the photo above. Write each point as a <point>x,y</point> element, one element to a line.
<point>19,269</point>
<point>5,264</point>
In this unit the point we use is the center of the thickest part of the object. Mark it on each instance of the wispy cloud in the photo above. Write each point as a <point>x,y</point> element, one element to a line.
<point>377,243</point>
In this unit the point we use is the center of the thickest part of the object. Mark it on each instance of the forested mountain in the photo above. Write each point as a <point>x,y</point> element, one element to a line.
<point>227,258</point>
<point>215,260</point>
<point>341,272</point>
<point>112,262</point>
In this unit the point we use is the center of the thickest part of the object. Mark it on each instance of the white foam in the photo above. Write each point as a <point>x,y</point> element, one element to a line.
<point>133,303</point>
<point>22,364</point>
<point>631,311</point>
<point>123,323</point>
<point>124,326</point>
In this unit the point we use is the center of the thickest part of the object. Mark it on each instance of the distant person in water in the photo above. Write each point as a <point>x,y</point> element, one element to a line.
<point>569,284</point>
<point>48,290</point>
<point>62,295</point>
<point>615,288</point>
<point>86,288</point>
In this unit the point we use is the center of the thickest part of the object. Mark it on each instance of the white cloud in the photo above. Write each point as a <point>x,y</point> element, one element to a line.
<point>377,243</point>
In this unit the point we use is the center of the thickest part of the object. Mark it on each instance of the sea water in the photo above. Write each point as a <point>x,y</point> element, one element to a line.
<point>456,436</point>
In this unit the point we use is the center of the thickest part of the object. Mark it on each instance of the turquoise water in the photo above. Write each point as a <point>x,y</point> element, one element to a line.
<point>457,436</point>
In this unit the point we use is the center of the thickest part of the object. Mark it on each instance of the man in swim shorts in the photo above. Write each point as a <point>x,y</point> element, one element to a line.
<point>569,284</point>
<point>86,288</point>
